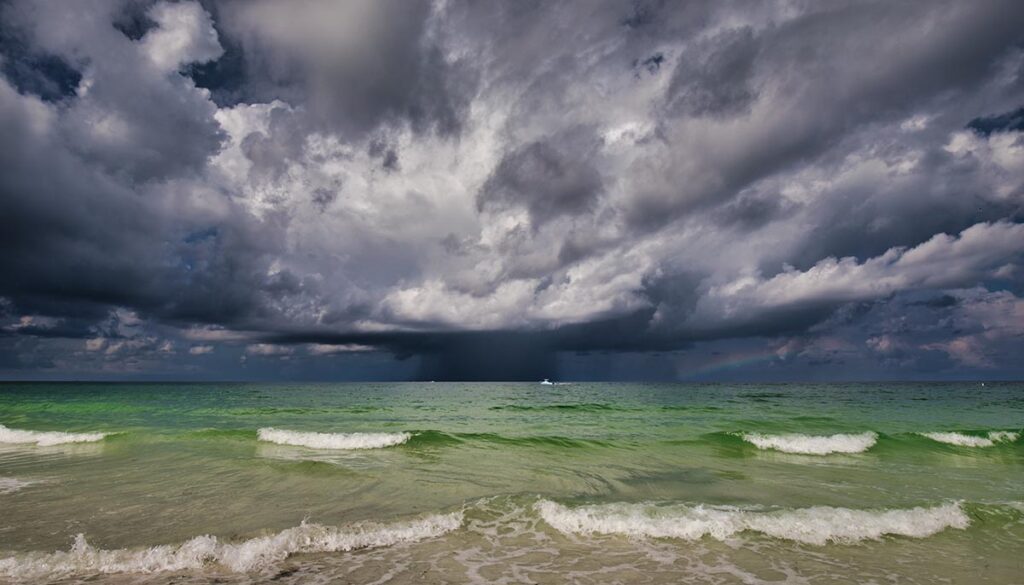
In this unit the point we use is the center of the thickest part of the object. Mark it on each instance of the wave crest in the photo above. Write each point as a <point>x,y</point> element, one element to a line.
<point>813,444</point>
<point>964,440</point>
<point>818,525</point>
<point>249,555</point>
<point>332,440</point>
<point>46,438</point>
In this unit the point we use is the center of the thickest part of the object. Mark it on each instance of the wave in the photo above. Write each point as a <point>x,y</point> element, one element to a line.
<point>813,444</point>
<point>818,525</point>
<point>531,441</point>
<point>411,438</point>
<point>46,438</point>
<point>965,440</point>
<point>332,440</point>
<point>201,551</point>
<point>601,407</point>
<point>287,410</point>
<point>581,407</point>
<point>432,438</point>
<point>222,434</point>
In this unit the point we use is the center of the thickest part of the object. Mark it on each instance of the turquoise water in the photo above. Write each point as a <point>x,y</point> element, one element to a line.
<point>516,483</point>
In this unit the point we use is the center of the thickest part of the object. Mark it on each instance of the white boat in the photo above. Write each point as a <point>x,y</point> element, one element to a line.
<point>547,382</point>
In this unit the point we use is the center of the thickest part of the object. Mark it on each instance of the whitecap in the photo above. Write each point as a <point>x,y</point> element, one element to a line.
<point>332,440</point>
<point>817,525</point>
<point>201,551</point>
<point>813,444</point>
<point>962,440</point>
<point>46,438</point>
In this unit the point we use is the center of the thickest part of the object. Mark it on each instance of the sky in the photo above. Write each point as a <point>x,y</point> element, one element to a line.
<point>496,190</point>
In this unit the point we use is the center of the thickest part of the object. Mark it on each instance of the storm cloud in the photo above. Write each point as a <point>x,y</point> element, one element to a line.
<point>497,190</point>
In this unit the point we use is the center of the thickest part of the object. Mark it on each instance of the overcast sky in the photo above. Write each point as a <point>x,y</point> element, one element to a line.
<point>591,189</point>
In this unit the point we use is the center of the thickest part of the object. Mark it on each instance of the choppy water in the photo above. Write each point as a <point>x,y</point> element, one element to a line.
<point>512,483</point>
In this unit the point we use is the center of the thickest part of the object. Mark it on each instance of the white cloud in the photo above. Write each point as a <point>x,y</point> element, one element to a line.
<point>330,349</point>
<point>95,344</point>
<point>941,262</point>
<point>269,349</point>
<point>214,333</point>
<point>184,34</point>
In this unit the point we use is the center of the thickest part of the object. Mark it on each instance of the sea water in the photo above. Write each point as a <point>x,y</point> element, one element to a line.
<point>512,483</point>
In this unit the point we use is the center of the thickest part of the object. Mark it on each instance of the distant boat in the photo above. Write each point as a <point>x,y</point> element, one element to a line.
<point>547,382</point>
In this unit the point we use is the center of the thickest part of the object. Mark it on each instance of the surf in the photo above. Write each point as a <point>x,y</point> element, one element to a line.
<point>245,556</point>
<point>990,439</point>
<point>344,441</point>
<point>46,438</point>
<point>819,525</point>
<point>813,444</point>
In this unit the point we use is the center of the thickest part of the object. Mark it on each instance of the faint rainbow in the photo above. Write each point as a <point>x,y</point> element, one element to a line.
<point>733,361</point>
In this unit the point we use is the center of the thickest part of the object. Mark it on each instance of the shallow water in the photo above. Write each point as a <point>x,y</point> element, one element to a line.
<point>512,483</point>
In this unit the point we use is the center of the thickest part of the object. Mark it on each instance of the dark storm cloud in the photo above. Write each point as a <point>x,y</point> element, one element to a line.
<point>354,65</point>
<point>547,181</point>
<point>831,73</point>
<point>716,81</point>
<point>234,188</point>
<point>753,210</point>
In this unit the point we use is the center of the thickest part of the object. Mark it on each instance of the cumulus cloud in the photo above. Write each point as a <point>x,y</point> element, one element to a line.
<point>411,187</point>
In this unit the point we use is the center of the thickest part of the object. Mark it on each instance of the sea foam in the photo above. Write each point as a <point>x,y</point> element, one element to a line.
<point>9,485</point>
<point>962,440</point>
<point>332,440</point>
<point>817,525</point>
<point>46,438</point>
<point>201,551</point>
<point>813,444</point>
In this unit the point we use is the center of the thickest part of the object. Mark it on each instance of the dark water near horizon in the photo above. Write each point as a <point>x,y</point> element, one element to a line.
<point>512,483</point>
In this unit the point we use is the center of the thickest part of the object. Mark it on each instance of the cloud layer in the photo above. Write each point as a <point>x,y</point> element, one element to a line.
<point>465,190</point>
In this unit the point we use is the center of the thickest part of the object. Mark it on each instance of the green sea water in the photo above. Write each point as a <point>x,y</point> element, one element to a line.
<point>512,483</point>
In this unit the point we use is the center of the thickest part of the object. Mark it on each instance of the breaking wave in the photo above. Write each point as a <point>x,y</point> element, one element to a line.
<point>813,444</point>
<point>965,440</point>
<point>332,440</point>
<point>202,551</point>
<point>818,525</point>
<point>46,438</point>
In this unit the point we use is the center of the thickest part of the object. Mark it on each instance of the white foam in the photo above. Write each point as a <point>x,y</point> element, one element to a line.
<point>201,551</point>
<point>817,525</point>
<point>962,440</point>
<point>813,444</point>
<point>46,438</point>
<point>9,485</point>
<point>332,440</point>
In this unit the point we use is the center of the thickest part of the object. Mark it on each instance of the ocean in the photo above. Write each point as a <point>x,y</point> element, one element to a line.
<point>512,483</point>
